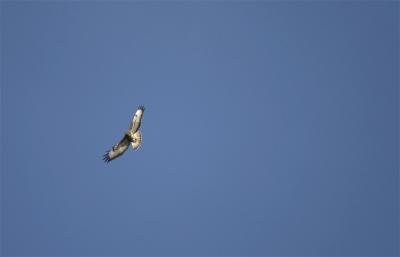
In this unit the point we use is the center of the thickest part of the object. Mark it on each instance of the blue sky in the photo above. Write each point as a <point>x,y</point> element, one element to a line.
<point>271,128</point>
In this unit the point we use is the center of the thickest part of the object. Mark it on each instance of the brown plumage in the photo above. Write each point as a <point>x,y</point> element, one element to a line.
<point>132,136</point>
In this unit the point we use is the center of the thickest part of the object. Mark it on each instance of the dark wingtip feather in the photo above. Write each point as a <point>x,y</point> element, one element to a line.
<point>141,107</point>
<point>106,158</point>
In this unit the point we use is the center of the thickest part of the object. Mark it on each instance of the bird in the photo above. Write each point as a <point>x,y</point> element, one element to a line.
<point>131,137</point>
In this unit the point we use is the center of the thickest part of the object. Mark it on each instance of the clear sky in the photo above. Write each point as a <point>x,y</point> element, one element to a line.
<point>271,128</point>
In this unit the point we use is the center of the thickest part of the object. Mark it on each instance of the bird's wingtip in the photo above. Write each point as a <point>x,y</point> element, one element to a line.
<point>106,158</point>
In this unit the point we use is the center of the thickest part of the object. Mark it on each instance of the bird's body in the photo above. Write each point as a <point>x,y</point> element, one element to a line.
<point>133,136</point>
<point>137,140</point>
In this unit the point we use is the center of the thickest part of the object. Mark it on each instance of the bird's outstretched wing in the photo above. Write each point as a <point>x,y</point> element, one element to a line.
<point>117,150</point>
<point>137,140</point>
<point>135,124</point>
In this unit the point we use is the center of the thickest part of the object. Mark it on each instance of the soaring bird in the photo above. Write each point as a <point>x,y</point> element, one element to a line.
<point>132,137</point>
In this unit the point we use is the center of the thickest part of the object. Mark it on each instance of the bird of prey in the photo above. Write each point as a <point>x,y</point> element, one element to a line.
<point>132,137</point>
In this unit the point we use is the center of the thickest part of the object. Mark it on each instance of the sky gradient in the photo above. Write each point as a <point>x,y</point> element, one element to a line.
<point>271,128</point>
